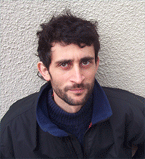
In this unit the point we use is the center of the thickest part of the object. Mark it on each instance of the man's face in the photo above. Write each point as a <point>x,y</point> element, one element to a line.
<point>72,73</point>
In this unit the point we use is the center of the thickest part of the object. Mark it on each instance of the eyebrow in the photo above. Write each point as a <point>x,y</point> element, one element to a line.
<point>87,58</point>
<point>70,60</point>
<point>63,61</point>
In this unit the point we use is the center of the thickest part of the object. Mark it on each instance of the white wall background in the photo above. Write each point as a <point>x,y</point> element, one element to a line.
<point>121,29</point>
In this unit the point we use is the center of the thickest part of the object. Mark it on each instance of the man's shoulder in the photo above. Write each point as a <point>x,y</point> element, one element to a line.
<point>128,115</point>
<point>120,93</point>
<point>124,98</point>
<point>20,107</point>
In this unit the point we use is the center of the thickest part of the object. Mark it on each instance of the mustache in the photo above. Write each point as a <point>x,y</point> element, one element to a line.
<point>81,86</point>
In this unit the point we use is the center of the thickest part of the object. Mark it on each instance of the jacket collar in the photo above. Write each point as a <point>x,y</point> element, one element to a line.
<point>101,107</point>
<point>101,110</point>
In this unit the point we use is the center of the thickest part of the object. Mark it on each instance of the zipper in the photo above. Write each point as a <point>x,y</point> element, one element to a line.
<point>85,143</point>
<point>86,150</point>
<point>74,147</point>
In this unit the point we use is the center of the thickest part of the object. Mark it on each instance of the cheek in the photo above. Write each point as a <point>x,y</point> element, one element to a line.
<point>59,81</point>
<point>90,74</point>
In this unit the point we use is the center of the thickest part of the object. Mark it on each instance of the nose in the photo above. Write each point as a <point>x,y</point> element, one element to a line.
<point>77,76</point>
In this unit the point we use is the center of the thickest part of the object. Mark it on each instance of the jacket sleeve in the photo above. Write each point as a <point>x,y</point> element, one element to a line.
<point>136,126</point>
<point>140,154</point>
<point>6,146</point>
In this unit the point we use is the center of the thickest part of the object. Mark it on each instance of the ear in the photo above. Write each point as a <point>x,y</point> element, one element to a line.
<point>97,63</point>
<point>43,71</point>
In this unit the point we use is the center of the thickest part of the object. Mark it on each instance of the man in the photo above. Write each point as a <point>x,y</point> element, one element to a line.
<point>73,116</point>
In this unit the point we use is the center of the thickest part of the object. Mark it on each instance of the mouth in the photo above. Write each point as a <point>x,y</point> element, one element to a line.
<point>77,90</point>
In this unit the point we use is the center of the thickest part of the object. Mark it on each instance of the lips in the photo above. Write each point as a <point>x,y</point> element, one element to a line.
<point>77,90</point>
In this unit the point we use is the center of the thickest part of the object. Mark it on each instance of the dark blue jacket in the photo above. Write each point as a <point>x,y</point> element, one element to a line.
<point>110,137</point>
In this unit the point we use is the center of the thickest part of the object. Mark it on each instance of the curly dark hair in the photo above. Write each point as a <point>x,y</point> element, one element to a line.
<point>68,29</point>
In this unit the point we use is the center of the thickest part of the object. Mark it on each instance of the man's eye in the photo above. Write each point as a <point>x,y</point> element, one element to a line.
<point>84,63</point>
<point>64,64</point>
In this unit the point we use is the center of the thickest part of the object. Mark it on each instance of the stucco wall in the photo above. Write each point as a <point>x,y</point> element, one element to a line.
<point>121,29</point>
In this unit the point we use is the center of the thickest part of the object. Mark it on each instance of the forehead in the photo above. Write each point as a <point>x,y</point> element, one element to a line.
<point>71,52</point>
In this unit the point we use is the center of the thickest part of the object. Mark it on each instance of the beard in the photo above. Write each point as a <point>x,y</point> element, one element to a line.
<point>68,98</point>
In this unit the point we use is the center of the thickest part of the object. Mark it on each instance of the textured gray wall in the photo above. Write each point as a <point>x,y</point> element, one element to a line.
<point>121,29</point>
